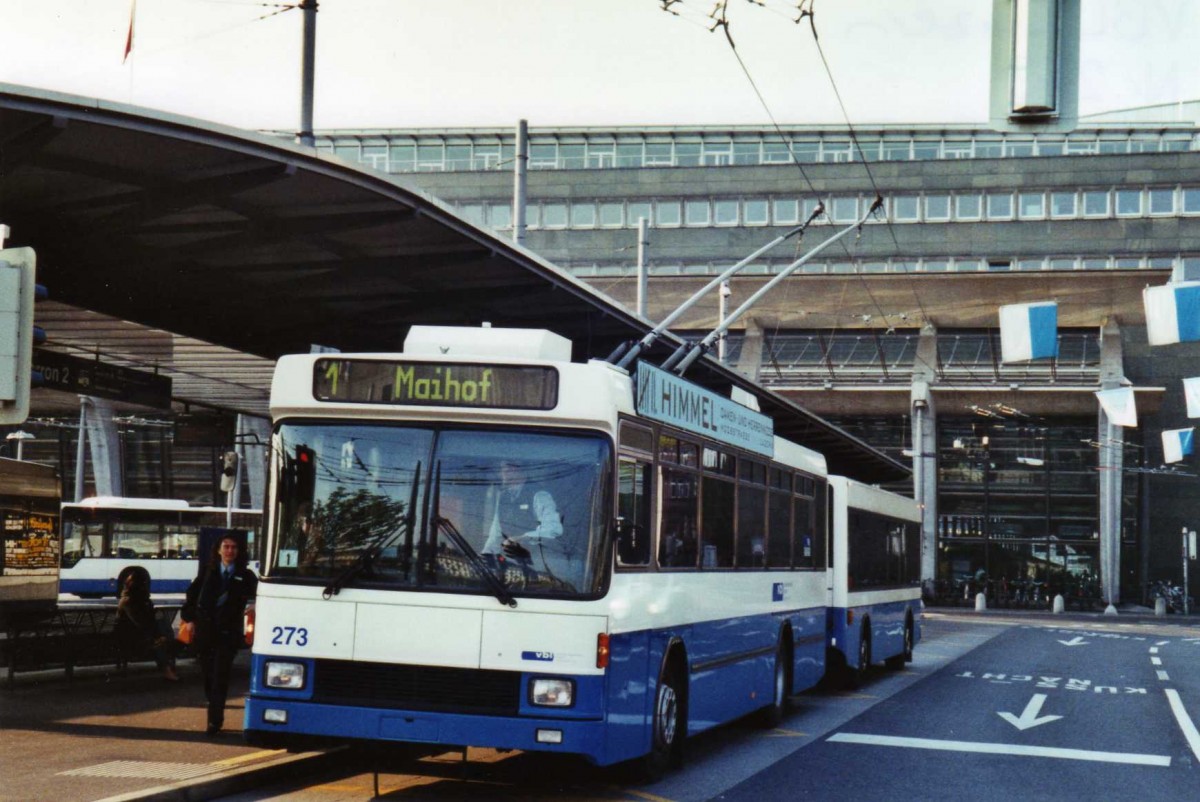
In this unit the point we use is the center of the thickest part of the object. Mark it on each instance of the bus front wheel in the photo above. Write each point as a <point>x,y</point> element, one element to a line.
<point>771,716</point>
<point>668,724</point>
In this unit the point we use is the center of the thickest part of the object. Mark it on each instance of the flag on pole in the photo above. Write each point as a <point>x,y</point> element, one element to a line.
<point>1173,312</point>
<point>1119,406</point>
<point>1191,391</point>
<point>1177,443</point>
<point>1028,331</point>
<point>129,36</point>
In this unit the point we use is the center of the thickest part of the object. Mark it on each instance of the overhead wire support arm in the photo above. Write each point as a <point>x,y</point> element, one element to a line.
<point>688,353</point>
<point>627,357</point>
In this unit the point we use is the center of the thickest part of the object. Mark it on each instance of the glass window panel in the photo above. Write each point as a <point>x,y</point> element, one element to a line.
<point>1029,264</point>
<point>500,216</point>
<point>751,526</point>
<point>1095,264</point>
<point>1095,203</point>
<point>687,154</point>
<point>697,213</point>
<point>1080,146</point>
<point>1128,263</point>
<point>835,152</point>
<point>968,207</point>
<point>957,148</point>
<point>583,215</point>
<point>754,212</point>
<point>637,210</point>
<point>717,535</point>
<point>806,150</point>
<point>776,153</point>
<point>680,506</point>
<point>925,150</point>
<point>554,215</point>
<point>1018,149</point>
<point>1191,268</point>
<point>988,148</point>
<point>458,157</point>
<point>937,207</point>
<point>779,528</point>
<point>787,212</point>
<point>347,152</point>
<point>1062,204</point>
<point>746,152</point>
<point>472,212</point>
<point>935,265</point>
<point>430,158</point>
<point>897,150</point>
<point>868,150</point>
<point>845,210</point>
<point>667,213</point>
<point>1191,200</point>
<point>658,154</point>
<point>601,154</point>
<point>612,215</point>
<point>1032,205</point>
<point>629,154</point>
<point>874,267</point>
<point>1162,201</point>
<point>533,216</point>
<point>905,208</point>
<point>485,156</point>
<point>1062,264</point>
<point>999,206</point>
<point>572,157</point>
<point>403,158</point>
<point>841,267</point>
<point>1050,148</point>
<point>1114,146</point>
<point>1129,202</point>
<point>725,212</point>
<point>543,156</point>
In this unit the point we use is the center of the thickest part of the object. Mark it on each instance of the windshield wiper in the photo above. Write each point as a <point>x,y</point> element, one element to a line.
<point>445,525</point>
<point>367,557</point>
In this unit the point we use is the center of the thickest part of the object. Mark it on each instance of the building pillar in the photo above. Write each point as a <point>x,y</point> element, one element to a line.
<point>750,359</point>
<point>253,437</point>
<point>1111,465</point>
<point>105,446</point>
<point>924,450</point>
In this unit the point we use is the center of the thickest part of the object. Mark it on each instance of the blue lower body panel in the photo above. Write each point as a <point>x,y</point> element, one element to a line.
<point>886,623</point>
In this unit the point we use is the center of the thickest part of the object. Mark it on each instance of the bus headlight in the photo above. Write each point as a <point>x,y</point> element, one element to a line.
<point>548,692</point>
<point>289,676</point>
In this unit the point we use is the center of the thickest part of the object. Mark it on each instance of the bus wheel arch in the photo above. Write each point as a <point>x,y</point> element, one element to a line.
<point>781,681</point>
<point>858,673</point>
<point>668,715</point>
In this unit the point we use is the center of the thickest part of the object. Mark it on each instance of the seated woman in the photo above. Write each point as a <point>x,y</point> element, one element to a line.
<point>137,629</point>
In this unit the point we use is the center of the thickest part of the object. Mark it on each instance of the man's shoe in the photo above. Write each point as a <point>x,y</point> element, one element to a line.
<point>213,730</point>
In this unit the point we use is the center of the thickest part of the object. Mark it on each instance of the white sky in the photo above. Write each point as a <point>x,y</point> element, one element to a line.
<point>416,63</point>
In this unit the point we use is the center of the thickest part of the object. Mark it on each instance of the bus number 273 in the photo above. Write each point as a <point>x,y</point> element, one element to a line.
<point>288,636</point>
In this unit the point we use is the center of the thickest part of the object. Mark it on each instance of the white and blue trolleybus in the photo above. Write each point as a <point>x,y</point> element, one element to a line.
<point>477,542</point>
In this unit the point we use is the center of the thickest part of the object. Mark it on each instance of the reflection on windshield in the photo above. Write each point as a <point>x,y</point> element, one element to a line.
<point>503,512</point>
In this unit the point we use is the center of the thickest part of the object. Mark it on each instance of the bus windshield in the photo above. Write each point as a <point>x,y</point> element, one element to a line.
<point>483,511</point>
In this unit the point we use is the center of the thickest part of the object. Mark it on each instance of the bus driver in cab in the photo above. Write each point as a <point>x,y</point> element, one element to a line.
<point>523,517</point>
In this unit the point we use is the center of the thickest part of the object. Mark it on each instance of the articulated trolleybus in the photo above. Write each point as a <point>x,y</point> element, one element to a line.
<point>477,542</point>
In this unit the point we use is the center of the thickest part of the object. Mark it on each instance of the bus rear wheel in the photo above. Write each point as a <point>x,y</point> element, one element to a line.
<point>896,662</point>
<point>858,674</point>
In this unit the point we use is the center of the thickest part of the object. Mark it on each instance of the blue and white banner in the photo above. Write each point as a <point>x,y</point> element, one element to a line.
<point>1173,312</point>
<point>1119,406</point>
<point>1191,392</point>
<point>1028,331</point>
<point>665,397</point>
<point>1177,443</point>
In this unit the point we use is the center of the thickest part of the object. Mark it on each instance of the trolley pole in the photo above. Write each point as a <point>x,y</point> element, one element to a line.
<point>520,166</point>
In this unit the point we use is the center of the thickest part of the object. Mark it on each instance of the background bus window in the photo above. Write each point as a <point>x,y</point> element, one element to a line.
<point>804,551</point>
<point>136,541</point>
<point>751,515</point>
<point>779,528</point>
<point>677,539</point>
<point>633,505</point>
<point>82,540</point>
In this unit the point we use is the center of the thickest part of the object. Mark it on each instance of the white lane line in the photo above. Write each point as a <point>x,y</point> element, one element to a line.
<point>1153,650</point>
<point>1001,749</point>
<point>1162,643</point>
<point>1162,675</point>
<point>1156,661</point>
<point>1185,721</point>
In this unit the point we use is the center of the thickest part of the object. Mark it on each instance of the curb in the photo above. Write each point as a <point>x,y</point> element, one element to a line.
<point>288,767</point>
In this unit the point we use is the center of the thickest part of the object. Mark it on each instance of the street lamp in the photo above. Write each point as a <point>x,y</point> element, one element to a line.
<point>20,437</point>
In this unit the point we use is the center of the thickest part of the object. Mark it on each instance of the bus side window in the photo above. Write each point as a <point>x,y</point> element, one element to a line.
<point>633,507</point>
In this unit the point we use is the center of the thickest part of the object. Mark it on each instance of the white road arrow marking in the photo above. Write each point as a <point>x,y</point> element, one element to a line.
<point>1029,716</point>
<point>1075,641</point>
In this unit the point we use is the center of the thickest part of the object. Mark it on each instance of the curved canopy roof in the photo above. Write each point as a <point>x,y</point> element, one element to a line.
<point>248,242</point>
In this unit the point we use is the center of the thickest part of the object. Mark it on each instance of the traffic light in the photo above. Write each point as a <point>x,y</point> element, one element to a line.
<point>305,467</point>
<point>18,291</point>
<point>229,466</point>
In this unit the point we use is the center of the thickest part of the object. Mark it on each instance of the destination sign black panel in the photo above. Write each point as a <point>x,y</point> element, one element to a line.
<point>439,384</point>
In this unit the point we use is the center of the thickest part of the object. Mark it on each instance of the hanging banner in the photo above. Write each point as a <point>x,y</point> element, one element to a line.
<point>1028,331</point>
<point>1172,312</point>
<point>1177,443</point>
<point>1119,406</point>
<point>1191,392</point>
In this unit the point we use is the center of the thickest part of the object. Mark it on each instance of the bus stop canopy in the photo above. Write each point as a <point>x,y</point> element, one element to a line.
<point>204,235</point>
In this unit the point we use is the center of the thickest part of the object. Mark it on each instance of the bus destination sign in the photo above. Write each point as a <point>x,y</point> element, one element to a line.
<point>437,384</point>
<point>668,398</point>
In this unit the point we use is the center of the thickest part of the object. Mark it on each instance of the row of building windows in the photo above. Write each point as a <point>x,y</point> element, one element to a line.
<point>1185,267</point>
<point>902,208</point>
<point>450,153</point>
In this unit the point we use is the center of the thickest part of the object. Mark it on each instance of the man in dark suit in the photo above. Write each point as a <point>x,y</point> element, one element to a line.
<point>216,603</point>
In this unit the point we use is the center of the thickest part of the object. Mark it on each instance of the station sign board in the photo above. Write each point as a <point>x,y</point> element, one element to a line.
<point>91,377</point>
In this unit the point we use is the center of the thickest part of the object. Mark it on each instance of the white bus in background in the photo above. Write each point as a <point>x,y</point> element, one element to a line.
<point>875,577</point>
<point>687,588</point>
<point>103,536</point>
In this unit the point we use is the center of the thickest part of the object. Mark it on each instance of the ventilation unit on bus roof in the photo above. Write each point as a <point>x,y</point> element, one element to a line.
<point>462,341</point>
